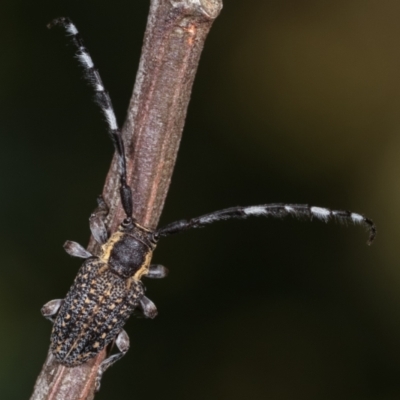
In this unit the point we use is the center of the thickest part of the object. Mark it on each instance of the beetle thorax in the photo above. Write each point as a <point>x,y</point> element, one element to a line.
<point>126,255</point>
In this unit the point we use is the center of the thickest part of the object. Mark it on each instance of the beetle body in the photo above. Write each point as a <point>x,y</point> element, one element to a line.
<point>106,290</point>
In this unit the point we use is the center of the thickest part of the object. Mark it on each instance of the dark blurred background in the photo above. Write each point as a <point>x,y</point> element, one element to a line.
<point>295,101</point>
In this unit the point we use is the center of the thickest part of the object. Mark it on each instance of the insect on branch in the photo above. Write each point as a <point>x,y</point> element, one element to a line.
<point>108,287</point>
<point>174,38</point>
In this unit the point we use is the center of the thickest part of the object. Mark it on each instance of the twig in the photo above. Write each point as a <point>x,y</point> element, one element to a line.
<point>174,38</point>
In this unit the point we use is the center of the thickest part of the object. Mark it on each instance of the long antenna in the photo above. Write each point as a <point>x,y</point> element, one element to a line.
<point>271,210</point>
<point>104,101</point>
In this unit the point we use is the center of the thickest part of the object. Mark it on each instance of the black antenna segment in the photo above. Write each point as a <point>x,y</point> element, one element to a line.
<point>104,101</point>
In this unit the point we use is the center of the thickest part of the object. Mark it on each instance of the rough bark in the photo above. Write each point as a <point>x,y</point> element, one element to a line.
<point>174,38</point>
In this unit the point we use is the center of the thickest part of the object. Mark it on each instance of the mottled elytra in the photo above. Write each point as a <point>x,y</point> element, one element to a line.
<point>108,287</point>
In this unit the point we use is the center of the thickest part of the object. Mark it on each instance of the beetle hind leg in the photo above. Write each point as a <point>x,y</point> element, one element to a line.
<point>122,342</point>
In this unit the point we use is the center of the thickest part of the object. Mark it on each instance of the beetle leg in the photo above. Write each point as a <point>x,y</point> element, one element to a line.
<point>145,309</point>
<point>76,250</point>
<point>50,309</point>
<point>156,271</point>
<point>122,342</point>
<point>148,308</point>
<point>96,221</point>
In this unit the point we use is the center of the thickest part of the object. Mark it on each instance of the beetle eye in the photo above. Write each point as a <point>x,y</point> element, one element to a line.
<point>127,222</point>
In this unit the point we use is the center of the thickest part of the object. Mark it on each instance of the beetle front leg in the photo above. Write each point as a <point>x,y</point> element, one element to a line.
<point>122,342</point>
<point>156,271</point>
<point>50,309</point>
<point>96,221</point>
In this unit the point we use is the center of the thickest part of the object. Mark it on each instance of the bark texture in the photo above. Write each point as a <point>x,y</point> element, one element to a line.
<point>174,38</point>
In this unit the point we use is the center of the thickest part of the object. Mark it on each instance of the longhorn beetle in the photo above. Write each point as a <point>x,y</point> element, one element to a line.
<point>108,287</point>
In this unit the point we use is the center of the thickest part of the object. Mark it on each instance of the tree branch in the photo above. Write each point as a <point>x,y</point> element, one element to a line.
<point>174,38</point>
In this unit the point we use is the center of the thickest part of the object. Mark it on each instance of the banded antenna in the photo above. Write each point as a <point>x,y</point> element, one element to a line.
<point>270,210</point>
<point>104,101</point>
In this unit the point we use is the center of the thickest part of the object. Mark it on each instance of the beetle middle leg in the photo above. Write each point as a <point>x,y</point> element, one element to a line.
<point>76,250</point>
<point>145,309</point>
<point>122,342</point>
<point>50,309</point>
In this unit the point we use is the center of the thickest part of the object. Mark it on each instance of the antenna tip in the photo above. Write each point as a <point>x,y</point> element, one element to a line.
<point>372,231</point>
<point>58,21</point>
